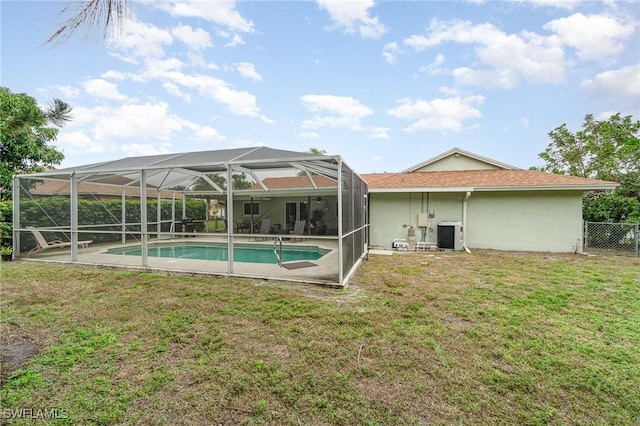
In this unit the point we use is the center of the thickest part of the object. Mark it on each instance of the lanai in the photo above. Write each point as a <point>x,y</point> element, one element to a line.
<point>177,174</point>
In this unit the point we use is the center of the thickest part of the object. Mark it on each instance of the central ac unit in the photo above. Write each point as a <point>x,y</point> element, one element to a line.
<point>450,236</point>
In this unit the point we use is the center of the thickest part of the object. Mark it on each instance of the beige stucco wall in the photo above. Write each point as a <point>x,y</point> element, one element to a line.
<point>274,208</point>
<point>528,220</point>
<point>532,220</point>
<point>452,162</point>
<point>392,213</point>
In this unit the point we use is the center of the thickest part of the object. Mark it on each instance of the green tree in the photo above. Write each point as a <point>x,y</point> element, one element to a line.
<point>314,151</point>
<point>608,150</point>
<point>25,136</point>
<point>240,181</point>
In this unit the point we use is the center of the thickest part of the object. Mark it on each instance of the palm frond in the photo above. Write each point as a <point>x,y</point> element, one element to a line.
<point>91,16</point>
<point>58,112</point>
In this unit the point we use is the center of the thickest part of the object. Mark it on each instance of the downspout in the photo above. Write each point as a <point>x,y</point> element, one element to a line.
<point>464,222</point>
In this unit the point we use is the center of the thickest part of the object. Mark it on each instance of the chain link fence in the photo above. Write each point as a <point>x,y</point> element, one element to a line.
<point>612,238</point>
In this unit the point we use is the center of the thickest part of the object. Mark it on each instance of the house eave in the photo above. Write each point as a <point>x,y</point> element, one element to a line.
<point>423,189</point>
<point>581,188</point>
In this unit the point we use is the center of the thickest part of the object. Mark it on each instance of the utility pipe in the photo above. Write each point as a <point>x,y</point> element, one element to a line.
<point>464,222</point>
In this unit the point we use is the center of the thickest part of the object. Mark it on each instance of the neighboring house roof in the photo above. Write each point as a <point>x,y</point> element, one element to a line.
<point>473,161</point>
<point>481,180</point>
<point>51,187</point>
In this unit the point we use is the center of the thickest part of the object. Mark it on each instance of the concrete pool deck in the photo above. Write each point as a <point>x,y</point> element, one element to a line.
<point>323,271</point>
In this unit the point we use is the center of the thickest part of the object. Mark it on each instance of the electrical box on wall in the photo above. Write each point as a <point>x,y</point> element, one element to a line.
<point>423,220</point>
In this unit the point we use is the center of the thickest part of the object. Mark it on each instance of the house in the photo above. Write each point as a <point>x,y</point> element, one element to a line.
<point>475,201</point>
<point>498,206</point>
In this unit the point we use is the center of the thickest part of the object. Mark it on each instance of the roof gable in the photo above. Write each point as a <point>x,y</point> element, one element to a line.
<point>458,159</point>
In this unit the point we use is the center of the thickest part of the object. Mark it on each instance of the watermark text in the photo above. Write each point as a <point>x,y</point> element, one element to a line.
<point>34,413</point>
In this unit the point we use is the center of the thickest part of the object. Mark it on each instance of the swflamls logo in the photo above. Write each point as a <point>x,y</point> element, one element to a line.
<point>34,413</point>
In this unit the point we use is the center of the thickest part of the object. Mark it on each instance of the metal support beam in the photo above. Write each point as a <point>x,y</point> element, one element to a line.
<point>340,228</point>
<point>158,215</point>
<point>229,219</point>
<point>123,215</point>
<point>73,193</point>
<point>16,217</point>
<point>143,218</point>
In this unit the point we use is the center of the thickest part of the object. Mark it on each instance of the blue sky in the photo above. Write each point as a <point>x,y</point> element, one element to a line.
<point>384,84</point>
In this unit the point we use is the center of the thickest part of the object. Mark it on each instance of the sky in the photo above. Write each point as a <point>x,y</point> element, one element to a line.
<point>385,85</point>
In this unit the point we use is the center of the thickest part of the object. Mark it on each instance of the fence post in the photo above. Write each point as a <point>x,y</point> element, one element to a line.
<point>585,237</point>
<point>637,235</point>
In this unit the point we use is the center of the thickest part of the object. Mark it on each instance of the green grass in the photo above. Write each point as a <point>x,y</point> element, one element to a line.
<point>417,338</point>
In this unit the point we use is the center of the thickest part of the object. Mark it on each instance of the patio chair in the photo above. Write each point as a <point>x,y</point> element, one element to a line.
<point>42,243</point>
<point>265,227</point>
<point>298,228</point>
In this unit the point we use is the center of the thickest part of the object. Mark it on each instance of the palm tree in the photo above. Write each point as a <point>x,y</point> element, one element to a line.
<point>58,112</point>
<point>91,15</point>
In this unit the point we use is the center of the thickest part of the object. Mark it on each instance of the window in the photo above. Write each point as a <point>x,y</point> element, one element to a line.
<point>251,209</point>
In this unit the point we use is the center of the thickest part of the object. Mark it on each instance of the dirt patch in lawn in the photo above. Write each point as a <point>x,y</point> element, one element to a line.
<point>16,347</point>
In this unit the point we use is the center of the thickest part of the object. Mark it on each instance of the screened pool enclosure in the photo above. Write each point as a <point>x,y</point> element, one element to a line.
<point>252,212</point>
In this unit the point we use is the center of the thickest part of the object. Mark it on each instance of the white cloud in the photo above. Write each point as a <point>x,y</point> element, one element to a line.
<point>341,111</point>
<point>559,4</point>
<point>77,142</point>
<point>113,75</point>
<point>248,70</point>
<point>353,16</point>
<point>236,40</point>
<point>220,12</point>
<point>69,91</point>
<point>174,90</point>
<point>158,69</point>
<point>103,89</point>
<point>623,82</point>
<point>237,102</point>
<point>197,39</point>
<point>137,149</point>
<point>245,143</point>
<point>141,40</point>
<point>169,71</point>
<point>206,133</point>
<point>437,114</point>
<point>434,67</point>
<point>594,36</point>
<point>309,135</point>
<point>508,57</point>
<point>147,121</point>
<point>389,52</point>
<point>621,86</point>
<point>379,133</point>
<point>492,78</point>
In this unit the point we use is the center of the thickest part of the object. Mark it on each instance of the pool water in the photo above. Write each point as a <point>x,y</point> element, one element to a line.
<point>241,252</point>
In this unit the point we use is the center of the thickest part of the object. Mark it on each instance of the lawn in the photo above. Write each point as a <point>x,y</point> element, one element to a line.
<point>417,338</point>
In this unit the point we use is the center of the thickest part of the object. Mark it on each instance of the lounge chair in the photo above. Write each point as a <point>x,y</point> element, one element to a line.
<point>42,243</point>
<point>298,227</point>
<point>265,227</point>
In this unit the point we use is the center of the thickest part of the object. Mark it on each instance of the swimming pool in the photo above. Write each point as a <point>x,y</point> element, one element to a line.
<point>252,253</point>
